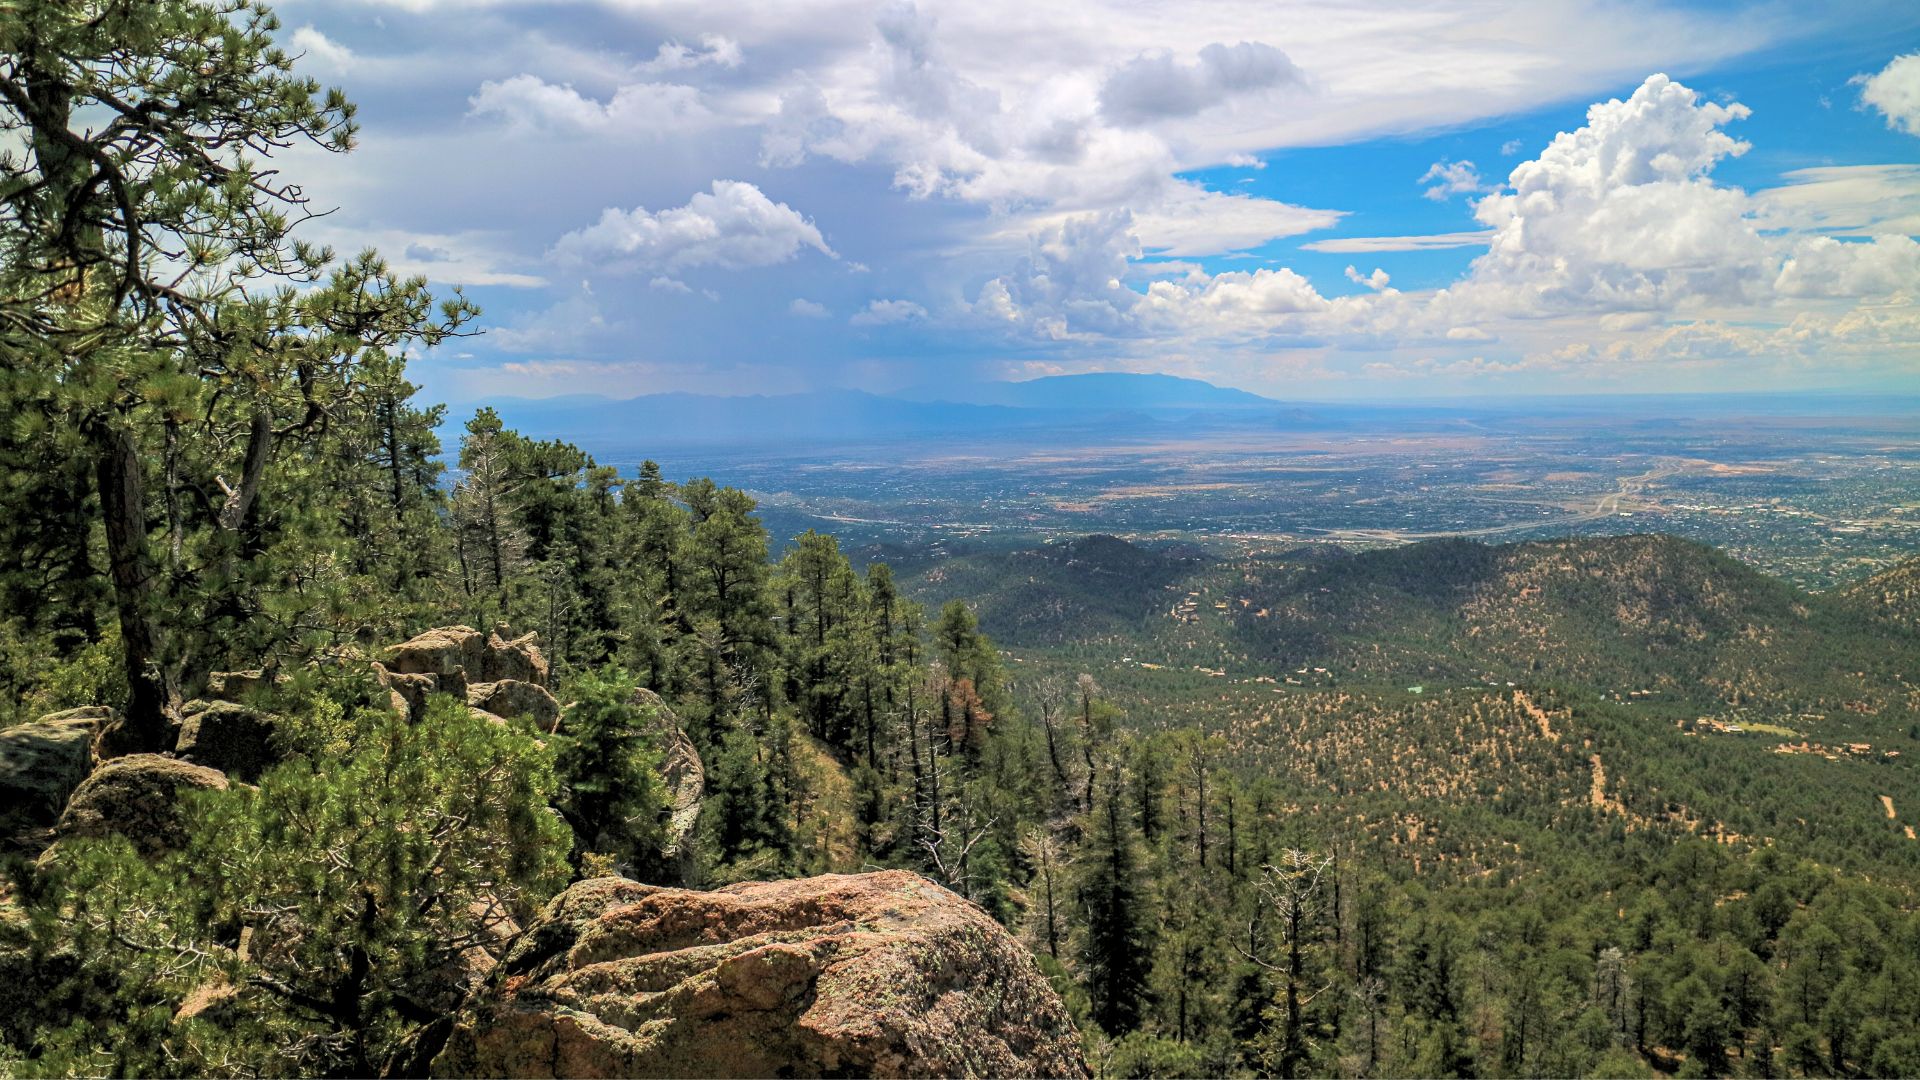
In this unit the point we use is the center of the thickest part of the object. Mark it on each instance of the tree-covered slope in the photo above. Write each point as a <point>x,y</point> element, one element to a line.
<point>1083,589</point>
<point>1665,617</point>
<point>1891,597</point>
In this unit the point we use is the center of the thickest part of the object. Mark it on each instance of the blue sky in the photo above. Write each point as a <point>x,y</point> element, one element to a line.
<point>1312,200</point>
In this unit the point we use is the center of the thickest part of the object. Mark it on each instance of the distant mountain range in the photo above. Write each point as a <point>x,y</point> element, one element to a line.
<point>851,416</point>
<point>1100,390</point>
<point>1068,408</point>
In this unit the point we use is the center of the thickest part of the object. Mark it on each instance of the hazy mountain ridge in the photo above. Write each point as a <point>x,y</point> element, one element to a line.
<point>1102,404</point>
<point>1094,390</point>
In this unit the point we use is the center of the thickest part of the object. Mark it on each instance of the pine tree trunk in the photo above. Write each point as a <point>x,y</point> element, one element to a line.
<point>123,510</point>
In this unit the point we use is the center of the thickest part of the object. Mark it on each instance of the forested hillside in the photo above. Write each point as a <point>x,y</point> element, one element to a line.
<point>1447,810</point>
<point>1891,596</point>
<point>1668,618</point>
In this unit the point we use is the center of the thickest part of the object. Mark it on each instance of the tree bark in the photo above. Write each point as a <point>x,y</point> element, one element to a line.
<point>253,470</point>
<point>124,512</point>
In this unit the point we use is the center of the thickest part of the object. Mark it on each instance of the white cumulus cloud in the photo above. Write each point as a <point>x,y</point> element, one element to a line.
<point>1615,229</point>
<point>1070,280</point>
<point>322,51</point>
<point>1620,214</point>
<point>713,49</point>
<point>529,103</point>
<point>1894,91</point>
<point>1623,215</point>
<point>733,226</point>
<point>1376,281</point>
<point>1454,178</point>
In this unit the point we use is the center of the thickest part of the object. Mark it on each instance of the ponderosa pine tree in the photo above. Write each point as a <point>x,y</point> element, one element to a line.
<point>151,314</point>
<point>727,598</point>
<point>607,765</point>
<point>654,622</point>
<point>1294,892</point>
<point>1116,948</point>
<point>491,542</point>
<point>821,606</point>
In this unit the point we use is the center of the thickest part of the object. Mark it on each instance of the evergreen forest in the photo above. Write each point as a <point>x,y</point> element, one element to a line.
<point>1449,809</point>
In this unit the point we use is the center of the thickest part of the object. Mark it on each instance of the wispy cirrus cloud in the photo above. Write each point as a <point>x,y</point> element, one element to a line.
<point>1360,245</point>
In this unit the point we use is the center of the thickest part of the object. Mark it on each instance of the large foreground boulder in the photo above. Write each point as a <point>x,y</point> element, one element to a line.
<point>139,797</point>
<point>883,974</point>
<point>40,765</point>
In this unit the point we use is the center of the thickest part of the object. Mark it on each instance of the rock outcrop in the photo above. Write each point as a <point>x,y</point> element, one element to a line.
<point>137,796</point>
<point>40,765</point>
<point>235,739</point>
<point>93,717</point>
<point>111,736</point>
<point>446,652</point>
<point>517,658</point>
<point>241,686</point>
<point>493,673</point>
<point>883,974</point>
<point>408,692</point>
